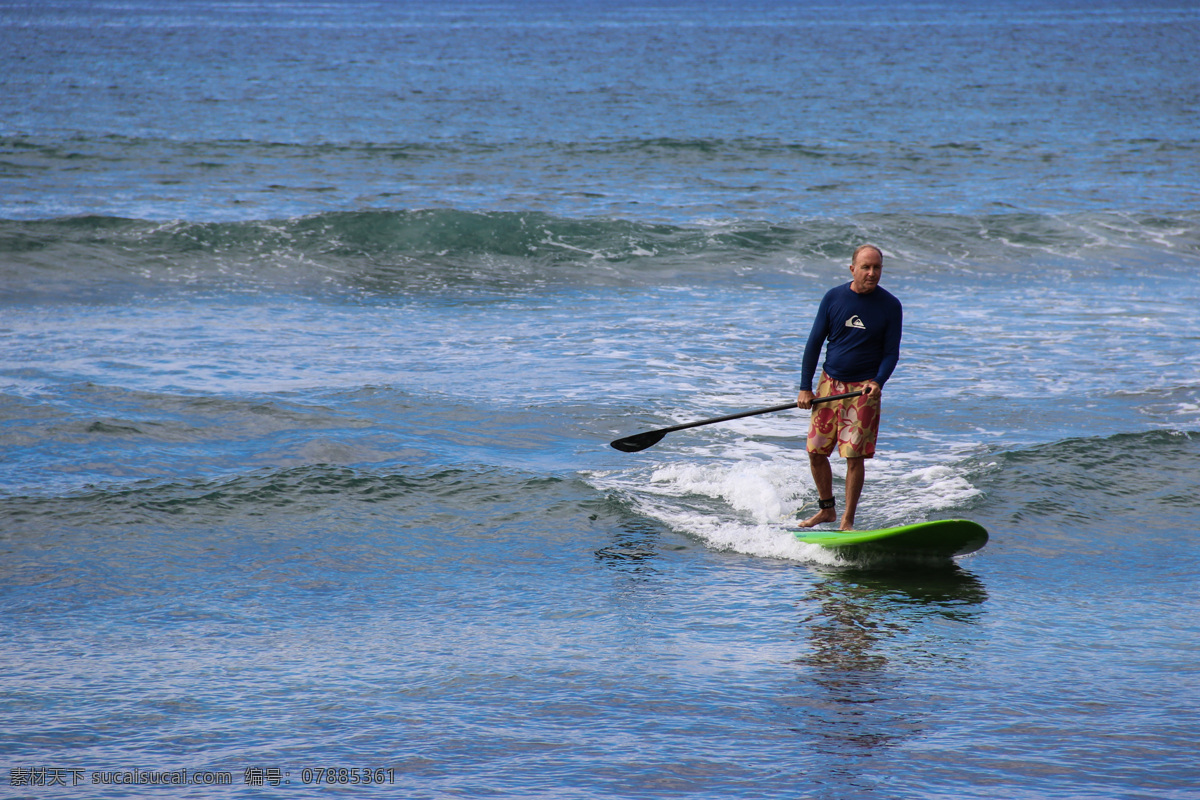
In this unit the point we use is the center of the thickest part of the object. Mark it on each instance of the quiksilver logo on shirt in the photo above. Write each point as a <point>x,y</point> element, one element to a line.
<point>855,322</point>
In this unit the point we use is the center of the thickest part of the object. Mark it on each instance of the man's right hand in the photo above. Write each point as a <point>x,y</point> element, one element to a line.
<point>805,399</point>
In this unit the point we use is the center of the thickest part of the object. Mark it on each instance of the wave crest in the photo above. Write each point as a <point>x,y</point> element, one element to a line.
<point>448,249</point>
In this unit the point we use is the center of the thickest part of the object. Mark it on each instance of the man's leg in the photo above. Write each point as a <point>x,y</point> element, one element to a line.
<point>856,471</point>
<point>823,478</point>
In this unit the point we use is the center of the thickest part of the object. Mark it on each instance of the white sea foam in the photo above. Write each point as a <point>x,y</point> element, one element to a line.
<point>744,499</point>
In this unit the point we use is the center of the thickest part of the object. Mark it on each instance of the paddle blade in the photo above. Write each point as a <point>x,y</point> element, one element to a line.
<point>639,441</point>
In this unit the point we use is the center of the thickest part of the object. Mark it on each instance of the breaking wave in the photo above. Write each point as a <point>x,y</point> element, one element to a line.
<point>438,250</point>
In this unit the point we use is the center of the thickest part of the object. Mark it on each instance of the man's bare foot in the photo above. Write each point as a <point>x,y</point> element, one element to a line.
<point>824,515</point>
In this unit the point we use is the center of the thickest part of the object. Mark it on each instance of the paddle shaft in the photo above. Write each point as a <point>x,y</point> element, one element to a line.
<point>640,441</point>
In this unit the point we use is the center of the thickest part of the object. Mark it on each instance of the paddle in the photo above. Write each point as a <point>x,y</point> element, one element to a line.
<point>640,441</point>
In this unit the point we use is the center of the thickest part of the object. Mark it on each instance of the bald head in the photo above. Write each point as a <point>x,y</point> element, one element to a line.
<point>864,247</point>
<point>865,269</point>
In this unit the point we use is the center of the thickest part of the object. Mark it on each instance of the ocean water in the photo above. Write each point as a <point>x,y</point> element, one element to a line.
<point>317,319</point>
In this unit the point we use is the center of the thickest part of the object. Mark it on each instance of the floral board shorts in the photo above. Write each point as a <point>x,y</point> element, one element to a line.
<point>851,424</point>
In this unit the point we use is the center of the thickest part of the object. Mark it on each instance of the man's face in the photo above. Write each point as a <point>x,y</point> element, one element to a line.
<point>865,271</point>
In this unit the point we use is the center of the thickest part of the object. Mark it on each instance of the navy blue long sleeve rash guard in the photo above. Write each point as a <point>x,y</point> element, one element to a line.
<point>863,331</point>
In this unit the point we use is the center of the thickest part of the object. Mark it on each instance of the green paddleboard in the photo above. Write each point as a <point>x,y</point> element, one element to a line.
<point>943,538</point>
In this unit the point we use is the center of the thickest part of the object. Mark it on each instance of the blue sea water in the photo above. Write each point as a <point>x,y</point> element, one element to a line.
<point>317,319</point>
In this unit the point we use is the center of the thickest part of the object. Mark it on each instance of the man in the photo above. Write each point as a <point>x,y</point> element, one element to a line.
<point>861,321</point>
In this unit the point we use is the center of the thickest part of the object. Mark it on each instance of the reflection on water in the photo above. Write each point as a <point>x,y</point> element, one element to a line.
<point>869,634</point>
<point>858,611</point>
